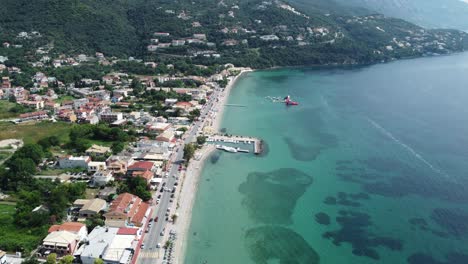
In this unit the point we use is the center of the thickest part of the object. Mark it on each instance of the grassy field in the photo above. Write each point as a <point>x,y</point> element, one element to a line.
<point>64,98</point>
<point>5,107</point>
<point>15,239</point>
<point>33,132</point>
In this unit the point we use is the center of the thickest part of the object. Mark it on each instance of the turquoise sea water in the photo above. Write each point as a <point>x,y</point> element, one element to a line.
<point>371,167</point>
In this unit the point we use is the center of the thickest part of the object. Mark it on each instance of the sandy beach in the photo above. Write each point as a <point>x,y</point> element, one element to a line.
<point>216,122</point>
<point>187,199</point>
<point>192,177</point>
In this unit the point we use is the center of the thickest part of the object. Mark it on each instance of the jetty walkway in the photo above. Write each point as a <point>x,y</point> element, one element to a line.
<point>258,143</point>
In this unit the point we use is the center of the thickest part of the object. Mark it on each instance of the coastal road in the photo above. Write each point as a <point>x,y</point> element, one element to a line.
<point>150,254</point>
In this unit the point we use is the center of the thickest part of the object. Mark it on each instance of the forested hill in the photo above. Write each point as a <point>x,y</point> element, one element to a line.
<point>246,32</point>
<point>427,13</point>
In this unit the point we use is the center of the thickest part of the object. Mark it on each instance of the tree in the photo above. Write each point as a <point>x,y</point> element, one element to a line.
<point>117,147</point>
<point>94,221</point>
<point>68,259</point>
<point>202,101</point>
<point>31,151</point>
<point>174,218</point>
<point>137,186</point>
<point>31,261</point>
<point>137,86</point>
<point>201,140</point>
<point>189,151</point>
<point>51,259</point>
<point>98,261</point>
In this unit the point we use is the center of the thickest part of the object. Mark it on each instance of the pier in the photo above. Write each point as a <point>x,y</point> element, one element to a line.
<point>235,105</point>
<point>257,143</point>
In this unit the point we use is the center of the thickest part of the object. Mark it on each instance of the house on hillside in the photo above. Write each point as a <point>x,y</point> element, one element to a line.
<point>97,150</point>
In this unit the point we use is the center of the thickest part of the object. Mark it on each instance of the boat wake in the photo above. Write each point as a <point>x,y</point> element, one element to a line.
<point>408,148</point>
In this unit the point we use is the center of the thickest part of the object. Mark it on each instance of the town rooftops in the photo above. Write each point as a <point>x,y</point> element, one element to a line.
<point>80,202</point>
<point>137,218</point>
<point>141,165</point>
<point>98,241</point>
<point>73,227</point>
<point>60,238</point>
<point>147,175</point>
<point>98,149</point>
<point>184,104</point>
<point>94,205</point>
<point>127,231</point>
<point>34,114</point>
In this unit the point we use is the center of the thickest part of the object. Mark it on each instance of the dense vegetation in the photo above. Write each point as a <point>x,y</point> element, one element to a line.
<point>122,28</point>
<point>16,177</point>
<point>52,197</point>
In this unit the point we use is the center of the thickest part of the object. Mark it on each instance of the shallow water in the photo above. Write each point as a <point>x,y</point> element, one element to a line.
<point>371,167</point>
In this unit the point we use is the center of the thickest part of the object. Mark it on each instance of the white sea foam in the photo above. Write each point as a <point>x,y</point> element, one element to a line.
<point>408,148</point>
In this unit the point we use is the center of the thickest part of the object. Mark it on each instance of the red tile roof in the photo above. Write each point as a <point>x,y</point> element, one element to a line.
<point>184,104</point>
<point>33,114</point>
<point>144,165</point>
<point>121,202</point>
<point>127,231</point>
<point>73,227</point>
<point>147,175</point>
<point>137,219</point>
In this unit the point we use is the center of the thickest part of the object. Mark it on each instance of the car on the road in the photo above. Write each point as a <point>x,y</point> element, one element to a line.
<point>151,220</point>
<point>173,195</point>
<point>159,196</point>
<point>156,219</point>
<point>176,183</point>
<point>171,200</point>
<point>158,200</point>
<point>158,245</point>
<point>142,246</point>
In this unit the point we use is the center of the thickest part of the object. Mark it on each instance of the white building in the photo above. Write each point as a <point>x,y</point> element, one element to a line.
<point>111,117</point>
<point>101,178</point>
<point>170,102</point>
<point>95,166</point>
<point>111,244</point>
<point>71,162</point>
<point>3,259</point>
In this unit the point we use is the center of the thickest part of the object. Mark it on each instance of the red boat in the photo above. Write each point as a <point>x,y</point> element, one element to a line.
<point>287,101</point>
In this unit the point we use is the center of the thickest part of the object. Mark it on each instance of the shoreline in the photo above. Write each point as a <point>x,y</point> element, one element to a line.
<point>192,176</point>
<point>186,201</point>
<point>220,105</point>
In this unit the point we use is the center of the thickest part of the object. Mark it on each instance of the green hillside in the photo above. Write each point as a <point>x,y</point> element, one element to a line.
<point>307,31</point>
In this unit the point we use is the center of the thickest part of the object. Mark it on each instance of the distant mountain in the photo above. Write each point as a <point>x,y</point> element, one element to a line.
<point>257,33</point>
<point>426,13</point>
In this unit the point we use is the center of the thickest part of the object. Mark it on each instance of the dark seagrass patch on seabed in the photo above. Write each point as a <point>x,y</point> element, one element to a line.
<point>322,218</point>
<point>215,157</point>
<point>271,197</point>
<point>454,221</point>
<point>277,244</point>
<point>452,258</point>
<point>346,199</point>
<point>302,152</point>
<point>316,137</point>
<point>353,231</point>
